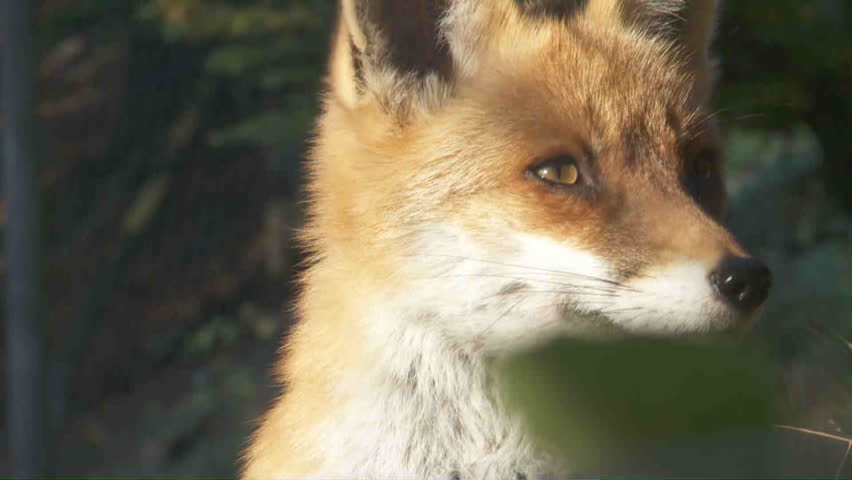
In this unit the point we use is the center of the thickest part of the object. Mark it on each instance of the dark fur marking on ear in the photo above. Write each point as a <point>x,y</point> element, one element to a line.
<point>407,34</point>
<point>551,8</point>
<point>357,64</point>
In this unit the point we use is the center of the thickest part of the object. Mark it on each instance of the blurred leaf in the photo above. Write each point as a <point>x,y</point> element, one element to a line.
<point>268,129</point>
<point>146,203</point>
<point>607,404</point>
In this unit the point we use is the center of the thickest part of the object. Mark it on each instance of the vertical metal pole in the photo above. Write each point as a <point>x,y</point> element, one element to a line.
<point>24,333</point>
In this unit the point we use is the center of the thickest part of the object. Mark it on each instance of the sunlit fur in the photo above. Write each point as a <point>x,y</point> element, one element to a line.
<point>432,250</point>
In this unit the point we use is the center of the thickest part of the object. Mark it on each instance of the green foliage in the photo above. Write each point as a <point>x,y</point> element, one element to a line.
<point>268,56</point>
<point>786,62</point>
<point>646,406</point>
<point>778,57</point>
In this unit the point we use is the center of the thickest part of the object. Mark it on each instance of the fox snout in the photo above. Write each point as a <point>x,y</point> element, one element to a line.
<point>742,282</point>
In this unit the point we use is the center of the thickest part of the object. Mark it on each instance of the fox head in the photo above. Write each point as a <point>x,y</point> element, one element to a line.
<point>500,170</point>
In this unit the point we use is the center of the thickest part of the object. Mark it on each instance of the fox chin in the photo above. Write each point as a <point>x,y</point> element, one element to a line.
<point>487,174</point>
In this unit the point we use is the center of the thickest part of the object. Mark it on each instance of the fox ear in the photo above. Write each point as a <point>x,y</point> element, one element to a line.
<point>551,8</point>
<point>383,45</point>
<point>690,23</point>
<point>696,29</point>
<point>700,17</point>
<point>692,20</point>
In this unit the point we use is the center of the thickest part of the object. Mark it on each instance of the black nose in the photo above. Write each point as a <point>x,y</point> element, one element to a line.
<point>742,282</point>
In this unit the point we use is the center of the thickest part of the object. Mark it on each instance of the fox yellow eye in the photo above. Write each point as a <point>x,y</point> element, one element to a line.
<point>559,172</point>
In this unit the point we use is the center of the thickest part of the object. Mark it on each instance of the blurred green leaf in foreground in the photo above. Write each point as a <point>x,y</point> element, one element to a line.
<point>648,407</point>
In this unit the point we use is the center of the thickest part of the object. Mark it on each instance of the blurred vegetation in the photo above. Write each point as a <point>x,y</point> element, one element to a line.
<point>787,63</point>
<point>271,53</point>
<point>173,134</point>
<point>666,408</point>
<point>649,408</point>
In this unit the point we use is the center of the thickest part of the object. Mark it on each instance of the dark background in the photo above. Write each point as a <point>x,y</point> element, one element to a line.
<point>171,135</point>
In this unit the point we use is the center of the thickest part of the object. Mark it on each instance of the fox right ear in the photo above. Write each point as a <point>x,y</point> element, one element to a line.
<point>691,21</point>
<point>688,23</point>
<point>389,49</point>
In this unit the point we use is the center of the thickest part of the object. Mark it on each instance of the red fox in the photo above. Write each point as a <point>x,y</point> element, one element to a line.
<point>488,174</point>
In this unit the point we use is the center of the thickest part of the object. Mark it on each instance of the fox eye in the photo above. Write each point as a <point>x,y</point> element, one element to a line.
<point>702,168</point>
<point>701,172</point>
<point>558,171</point>
<point>703,182</point>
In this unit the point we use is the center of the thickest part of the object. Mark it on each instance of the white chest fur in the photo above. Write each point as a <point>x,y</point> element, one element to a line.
<point>427,411</point>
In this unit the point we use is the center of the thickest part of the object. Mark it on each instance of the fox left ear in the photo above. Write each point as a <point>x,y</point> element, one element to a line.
<point>389,50</point>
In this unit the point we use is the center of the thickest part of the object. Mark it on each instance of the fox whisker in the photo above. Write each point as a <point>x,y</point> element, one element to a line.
<point>605,289</point>
<point>538,269</point>
<point>501,317</point>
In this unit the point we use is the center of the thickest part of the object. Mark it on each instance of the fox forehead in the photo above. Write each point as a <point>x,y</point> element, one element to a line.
<point>553,78</point>
<point>616,95</point>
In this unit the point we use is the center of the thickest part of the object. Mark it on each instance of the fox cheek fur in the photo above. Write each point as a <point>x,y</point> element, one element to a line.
<point>488,173</point>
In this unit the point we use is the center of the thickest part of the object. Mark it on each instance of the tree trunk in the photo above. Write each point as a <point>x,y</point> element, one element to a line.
<point>28,430</point>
